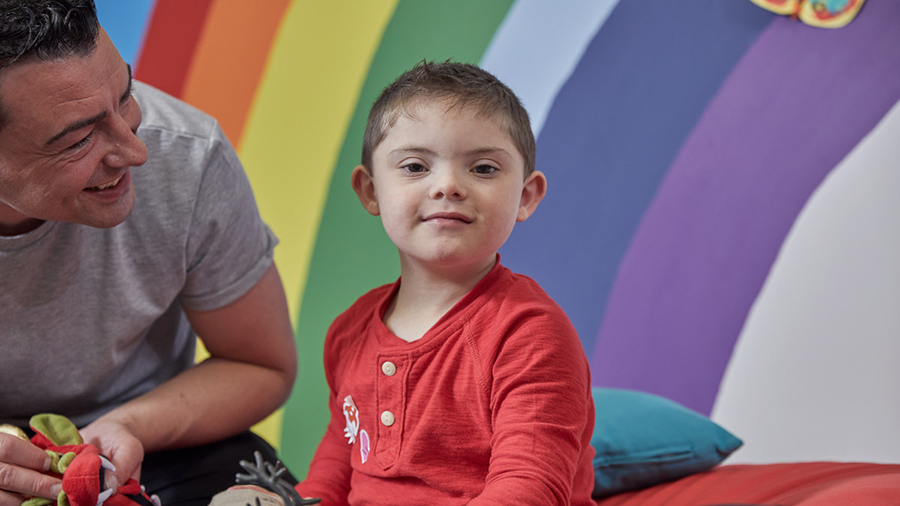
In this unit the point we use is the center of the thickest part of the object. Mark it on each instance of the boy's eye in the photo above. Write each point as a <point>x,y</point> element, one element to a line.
<point>484,169</point>
<point>415,168</point>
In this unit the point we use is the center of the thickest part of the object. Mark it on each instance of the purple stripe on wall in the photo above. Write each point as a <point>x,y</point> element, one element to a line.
<point>796,104</point>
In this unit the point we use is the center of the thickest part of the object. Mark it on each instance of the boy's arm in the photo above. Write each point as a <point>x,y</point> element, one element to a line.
<point>542,418</point>
<point>330,469</point>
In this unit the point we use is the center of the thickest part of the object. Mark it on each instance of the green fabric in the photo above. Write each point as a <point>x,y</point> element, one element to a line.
<point>54,461</point>
<point>37,501</point>
<point>643,439</point>
<point>64,461</point>
<point>56,428</point>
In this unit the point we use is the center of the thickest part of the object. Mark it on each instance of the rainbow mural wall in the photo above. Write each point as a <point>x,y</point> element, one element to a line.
<point>724,187</point>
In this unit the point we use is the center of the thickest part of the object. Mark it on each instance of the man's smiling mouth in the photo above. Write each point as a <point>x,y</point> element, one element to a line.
<point>107,185</point>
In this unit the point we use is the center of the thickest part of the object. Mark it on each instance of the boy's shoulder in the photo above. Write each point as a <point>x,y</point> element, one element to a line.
<point>518,322</point>
<point>513,302</point>
<point>519,289</point>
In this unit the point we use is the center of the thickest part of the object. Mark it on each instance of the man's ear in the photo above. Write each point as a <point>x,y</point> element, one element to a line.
<point>532,193</point>
<point>362,184</point>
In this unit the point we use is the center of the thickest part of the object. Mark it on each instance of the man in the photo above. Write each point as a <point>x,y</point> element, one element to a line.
<point>117,243</point>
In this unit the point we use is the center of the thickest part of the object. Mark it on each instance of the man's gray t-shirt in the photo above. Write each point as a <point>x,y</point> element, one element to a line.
<point>90,318</point>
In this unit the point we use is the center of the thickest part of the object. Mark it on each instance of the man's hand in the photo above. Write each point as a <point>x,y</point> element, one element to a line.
<point>115,441</point>
<point>21,472</point>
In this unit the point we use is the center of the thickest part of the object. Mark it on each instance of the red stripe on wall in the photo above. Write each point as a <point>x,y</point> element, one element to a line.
<point>175,29</point>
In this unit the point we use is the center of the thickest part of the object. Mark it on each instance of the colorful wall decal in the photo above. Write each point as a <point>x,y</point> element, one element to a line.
<point>722,185</point>
<point>820,13</point>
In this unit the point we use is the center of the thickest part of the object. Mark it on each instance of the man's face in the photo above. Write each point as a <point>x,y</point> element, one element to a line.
<point>69,141</point>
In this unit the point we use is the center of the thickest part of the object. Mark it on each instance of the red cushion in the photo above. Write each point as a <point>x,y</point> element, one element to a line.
<point>795,484</point>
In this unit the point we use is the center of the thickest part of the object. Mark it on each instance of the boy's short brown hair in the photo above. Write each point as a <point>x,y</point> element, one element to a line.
<point>460,85</point>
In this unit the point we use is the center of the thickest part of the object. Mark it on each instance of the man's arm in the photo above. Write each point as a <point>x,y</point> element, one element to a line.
<point>249,374</point>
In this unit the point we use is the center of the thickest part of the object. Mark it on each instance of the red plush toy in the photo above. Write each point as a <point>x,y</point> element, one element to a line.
<point>82,468</point>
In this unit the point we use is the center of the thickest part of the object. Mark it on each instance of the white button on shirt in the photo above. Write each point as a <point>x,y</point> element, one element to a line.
<point>387,418</point>
<point>388,368</point>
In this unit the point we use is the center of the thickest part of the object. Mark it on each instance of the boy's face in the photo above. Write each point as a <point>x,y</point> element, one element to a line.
<point>449,186</point>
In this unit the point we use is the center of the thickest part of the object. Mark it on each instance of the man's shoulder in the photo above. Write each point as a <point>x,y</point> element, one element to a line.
<point>163,112</point>
<point>184,144</point>
<point>180,138</point>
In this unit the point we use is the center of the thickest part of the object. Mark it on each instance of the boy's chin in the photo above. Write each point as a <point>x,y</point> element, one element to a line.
<point>457,262</point>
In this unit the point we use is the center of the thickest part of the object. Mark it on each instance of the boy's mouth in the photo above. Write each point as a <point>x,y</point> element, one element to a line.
<point>448,217</point>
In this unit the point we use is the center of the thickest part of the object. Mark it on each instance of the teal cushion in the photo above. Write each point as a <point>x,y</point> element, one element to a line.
<point>643,439</point>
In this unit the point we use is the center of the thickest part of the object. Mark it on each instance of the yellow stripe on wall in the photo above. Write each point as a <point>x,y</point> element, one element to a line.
<point>297,124</point>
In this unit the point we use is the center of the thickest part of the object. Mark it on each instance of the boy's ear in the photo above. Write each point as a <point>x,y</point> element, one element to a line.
<point>532,193</point>
<point>362,184</point>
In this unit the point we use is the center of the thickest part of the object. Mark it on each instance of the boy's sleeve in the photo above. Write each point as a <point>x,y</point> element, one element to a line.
<point>330,469</point>
<point>542,418</point>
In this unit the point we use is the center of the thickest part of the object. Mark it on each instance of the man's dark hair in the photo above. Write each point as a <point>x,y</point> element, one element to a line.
<point>45,29</point>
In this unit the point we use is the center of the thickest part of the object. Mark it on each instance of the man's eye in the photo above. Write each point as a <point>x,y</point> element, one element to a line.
<point>415,168</point>
<point>82,142</point>
<point>484,169</point>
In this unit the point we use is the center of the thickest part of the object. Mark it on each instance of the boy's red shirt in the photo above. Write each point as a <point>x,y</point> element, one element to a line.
<point>491,406</point>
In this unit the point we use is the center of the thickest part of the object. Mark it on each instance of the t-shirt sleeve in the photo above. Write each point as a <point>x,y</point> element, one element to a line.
<point>229,247</point>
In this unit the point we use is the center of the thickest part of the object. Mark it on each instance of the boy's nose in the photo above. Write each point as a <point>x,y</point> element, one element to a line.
<point>448,186</point>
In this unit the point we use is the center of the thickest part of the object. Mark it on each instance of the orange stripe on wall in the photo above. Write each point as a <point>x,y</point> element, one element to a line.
<point>233,50</point>
<point>169,47</point>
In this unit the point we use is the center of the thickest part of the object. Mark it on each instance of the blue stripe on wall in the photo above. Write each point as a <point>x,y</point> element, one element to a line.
<point>538,46</point>
<point>126,22</point>
<point>611,135</point>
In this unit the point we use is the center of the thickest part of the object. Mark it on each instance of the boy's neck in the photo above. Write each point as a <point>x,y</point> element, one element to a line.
<point>425,295</point>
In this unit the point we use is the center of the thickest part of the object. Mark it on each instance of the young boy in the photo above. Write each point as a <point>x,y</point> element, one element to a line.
<point>462,382</point>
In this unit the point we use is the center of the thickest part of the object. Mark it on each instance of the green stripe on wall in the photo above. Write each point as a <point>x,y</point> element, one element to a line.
<point>352,253</point>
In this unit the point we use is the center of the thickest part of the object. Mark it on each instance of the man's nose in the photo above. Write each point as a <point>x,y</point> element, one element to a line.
<point>127,150</point>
